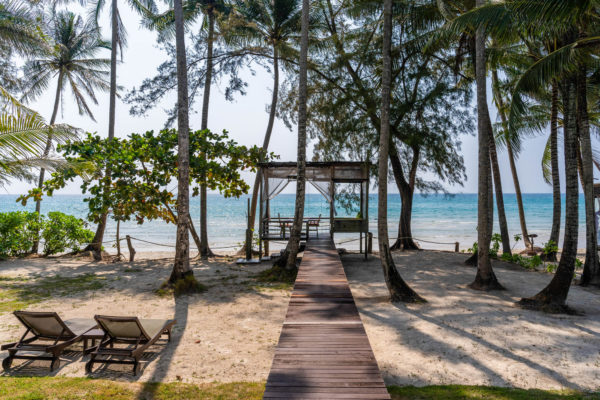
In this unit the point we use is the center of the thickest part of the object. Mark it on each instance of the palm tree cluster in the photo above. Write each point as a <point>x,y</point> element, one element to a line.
<point>542,57</point>
<point>391,80</point>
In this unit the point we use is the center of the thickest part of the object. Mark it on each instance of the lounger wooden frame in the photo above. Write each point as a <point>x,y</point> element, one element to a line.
<point>105,351</point>
<point>60,342</point>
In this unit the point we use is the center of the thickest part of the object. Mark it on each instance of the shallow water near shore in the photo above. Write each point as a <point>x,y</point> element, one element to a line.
<point>443,219</point>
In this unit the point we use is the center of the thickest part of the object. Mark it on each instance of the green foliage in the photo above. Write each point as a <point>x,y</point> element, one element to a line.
<point>144,165</point>
<point>20,229</point>
<point>496,239</point>
<point>18,232</point>
<point>495,246</point>
<point>526,262</point>
<point>550,248</point>
<point>61,232</point>
<point>578,263</point>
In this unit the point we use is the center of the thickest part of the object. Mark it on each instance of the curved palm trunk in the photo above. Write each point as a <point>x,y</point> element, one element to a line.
<point>485,278</point>
<point>204,248</point>
<point>96,245</point>
<point>397,287</point>
<point>556,200</point>
<point>289,256</point>
<point>511,157</point>
<point>267,139</point>
<point>554,296</point>
<point>181,266</point>
<point>591,268</point>
<point>38,203</point>
<point>499,196</point>
<point>406,190</point>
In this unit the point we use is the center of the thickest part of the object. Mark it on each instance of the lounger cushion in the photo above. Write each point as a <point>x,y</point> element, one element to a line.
<point>154,327</point>
<point>123,329</point>
<point>44,325</point>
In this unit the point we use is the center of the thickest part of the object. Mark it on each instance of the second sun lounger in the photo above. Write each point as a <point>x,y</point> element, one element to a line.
<point>141,333</point>
<point>48,337</point>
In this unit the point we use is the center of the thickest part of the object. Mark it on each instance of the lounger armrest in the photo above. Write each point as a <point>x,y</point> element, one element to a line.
<point>8,346</point>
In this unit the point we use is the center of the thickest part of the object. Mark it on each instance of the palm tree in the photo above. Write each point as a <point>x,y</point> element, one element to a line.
<point>72,61</point>
<point>181,266</point>
<point>399,290</point>
<point>563,23</point>
<point>288,259</point>
<point>485,278</point>
<point>271,24</point>
<point>18,27</point>
<point>164,22</point>
<point>23,136</point>
<point>118,41</point>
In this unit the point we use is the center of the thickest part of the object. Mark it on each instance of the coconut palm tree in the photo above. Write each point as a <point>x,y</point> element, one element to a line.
<point>19,28</point>
<point>567,23</point>
<point>267,26</point>
<point>485,278</point>
<point>23,137</point>
<point>118,42</point>
<point>72,61</point>
<point>164,22</point>
<point>288,259</point>
<point>181,266</point>
<point>399,290</point>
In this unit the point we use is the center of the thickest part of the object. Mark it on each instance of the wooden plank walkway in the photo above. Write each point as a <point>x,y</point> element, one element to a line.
<point>323,350</point>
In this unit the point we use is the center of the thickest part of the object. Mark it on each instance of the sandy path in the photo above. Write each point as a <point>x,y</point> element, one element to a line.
<point>466,337</point>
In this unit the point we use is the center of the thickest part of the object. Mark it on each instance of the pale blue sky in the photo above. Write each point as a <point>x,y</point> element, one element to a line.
<point>245,119</point>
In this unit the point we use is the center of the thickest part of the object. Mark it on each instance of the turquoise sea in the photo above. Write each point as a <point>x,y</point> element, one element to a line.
<point>436,218</point>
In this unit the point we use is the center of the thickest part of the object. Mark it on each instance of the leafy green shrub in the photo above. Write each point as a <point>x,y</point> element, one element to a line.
<point>18,232</point>
<point>63,232</point>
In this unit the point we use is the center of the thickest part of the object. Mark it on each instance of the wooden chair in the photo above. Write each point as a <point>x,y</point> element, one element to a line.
<point>313,223</point>
<point>142,333</point>
<point>45,327</point>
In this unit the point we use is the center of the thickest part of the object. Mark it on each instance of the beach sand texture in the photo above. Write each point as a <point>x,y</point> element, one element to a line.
<point>229,332</point>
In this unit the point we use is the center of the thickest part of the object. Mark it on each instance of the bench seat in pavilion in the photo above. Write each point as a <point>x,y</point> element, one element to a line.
<point>46,337</point>
<point>138,334</point>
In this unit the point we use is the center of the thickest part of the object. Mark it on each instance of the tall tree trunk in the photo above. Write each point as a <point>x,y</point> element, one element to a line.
<point>397,287</point>
<point>267,139</point>
<point>406,190</point>
<point>591,267</point>
<point>554,296</point>
<point>181,266</point>
<point>511,156</point>
<point>499,195</point>
<point>96,245</point>
<point>485,278</point>
<point>556,200</point>
<point>38,203</point>
<point>289,256</point>
<point>205,249</point>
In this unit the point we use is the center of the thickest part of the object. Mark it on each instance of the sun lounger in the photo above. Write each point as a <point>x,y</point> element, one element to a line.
<point>45,327</point>
<point>141,333</point>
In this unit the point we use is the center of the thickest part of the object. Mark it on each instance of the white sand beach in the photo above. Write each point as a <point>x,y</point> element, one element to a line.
<point>229,332</point>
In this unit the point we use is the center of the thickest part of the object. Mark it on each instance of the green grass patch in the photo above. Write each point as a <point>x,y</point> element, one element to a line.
<point>17,293</point>
<point>33,388</point>
<point>275,278</point>
<point>459,392</point>
<point>186,285</point>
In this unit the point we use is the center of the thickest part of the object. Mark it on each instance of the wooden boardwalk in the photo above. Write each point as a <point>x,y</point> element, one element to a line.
<point>323,350</point>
